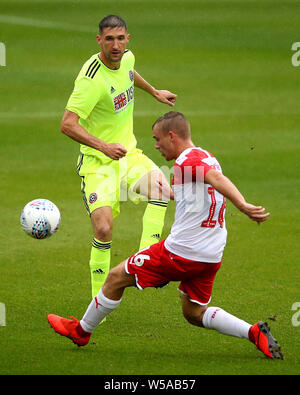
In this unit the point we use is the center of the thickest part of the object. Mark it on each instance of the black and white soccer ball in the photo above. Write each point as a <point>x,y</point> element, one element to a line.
<point>40,218</point>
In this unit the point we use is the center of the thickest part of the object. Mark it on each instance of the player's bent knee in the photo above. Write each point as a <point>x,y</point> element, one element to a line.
<point>103,231</point>
<point>158,186</point>
<point>102,221</point>
<point>154,185</point>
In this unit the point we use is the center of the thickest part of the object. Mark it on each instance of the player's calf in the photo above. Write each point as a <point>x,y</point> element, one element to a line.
<point>192,312</point>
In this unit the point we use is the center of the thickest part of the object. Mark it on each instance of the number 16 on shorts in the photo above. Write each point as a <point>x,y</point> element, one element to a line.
<point>2,315</point>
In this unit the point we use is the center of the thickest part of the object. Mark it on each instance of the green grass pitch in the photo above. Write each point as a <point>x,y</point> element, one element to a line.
<point>230,64</point>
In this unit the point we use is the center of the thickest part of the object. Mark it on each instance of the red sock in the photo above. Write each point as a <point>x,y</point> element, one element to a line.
<point>82,332</point>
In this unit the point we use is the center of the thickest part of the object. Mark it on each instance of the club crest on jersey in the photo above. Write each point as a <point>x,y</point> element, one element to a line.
<point>123,99</point>
<point>93,197</point>
<point>131,75</point>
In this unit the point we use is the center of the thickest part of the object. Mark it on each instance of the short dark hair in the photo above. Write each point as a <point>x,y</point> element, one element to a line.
<point>176,122</point>
<point>111,21</point>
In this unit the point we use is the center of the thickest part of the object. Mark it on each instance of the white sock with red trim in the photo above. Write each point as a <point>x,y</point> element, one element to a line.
<point>223,322</point>
<point>98,309</point>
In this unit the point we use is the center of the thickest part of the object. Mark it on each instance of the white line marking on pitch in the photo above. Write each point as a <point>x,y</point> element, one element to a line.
<point>18,20</point>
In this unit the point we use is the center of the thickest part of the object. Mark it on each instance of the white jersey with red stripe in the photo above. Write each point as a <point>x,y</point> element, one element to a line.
<point>199,230</point>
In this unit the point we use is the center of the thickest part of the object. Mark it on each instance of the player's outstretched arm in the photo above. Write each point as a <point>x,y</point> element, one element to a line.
<point>71,127</point>
<point>163,96</point>
<point>223,185</point>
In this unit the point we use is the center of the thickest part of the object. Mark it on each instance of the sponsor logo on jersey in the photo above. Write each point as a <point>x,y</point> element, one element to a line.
<point>122,100</point>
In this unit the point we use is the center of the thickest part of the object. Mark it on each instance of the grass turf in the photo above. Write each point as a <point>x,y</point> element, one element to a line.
<point>230,63</point>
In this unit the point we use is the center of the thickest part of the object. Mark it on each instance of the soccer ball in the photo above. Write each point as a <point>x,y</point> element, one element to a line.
<point>40,218</point>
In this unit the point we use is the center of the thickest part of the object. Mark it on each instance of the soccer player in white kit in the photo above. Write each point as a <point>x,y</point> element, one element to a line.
<point>191,254</point>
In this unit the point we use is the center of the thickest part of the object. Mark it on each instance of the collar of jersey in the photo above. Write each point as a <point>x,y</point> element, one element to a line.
<point>107,68</point>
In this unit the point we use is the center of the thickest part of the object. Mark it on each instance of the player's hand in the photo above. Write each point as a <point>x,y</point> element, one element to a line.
<point>114,151</point>
<point>165,192</point>
<point>256,213</point>
<point>165,97</point>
